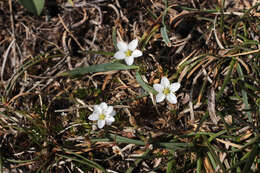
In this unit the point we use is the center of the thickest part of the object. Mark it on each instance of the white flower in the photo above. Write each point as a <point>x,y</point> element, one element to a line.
<point>128,51</point>
<point>103,114</point>
<point>166,90</point>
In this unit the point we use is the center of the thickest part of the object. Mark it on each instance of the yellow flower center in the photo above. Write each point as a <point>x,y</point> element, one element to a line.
<point>128,53</point>
<point>166,91</point>
<point>102,116</point>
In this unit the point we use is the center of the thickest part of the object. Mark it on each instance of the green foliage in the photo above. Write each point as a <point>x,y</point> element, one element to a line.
<point>80,159</point>
<point>98,68</point>
<point>34,6</point>
<point>145,86</point>
<point>164,27</point>
<point>165,36</point>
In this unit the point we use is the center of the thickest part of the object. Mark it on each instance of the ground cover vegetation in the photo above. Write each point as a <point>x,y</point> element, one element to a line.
<point>130,86</point>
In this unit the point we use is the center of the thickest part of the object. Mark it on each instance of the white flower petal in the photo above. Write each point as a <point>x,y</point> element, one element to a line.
<point>94,116</point>
<point>101,123</point>
<point>129,60</point>
<point>133,45</point>
<point>103,106</point>
<point>160,97</point>
<point>158,87</point>
<point>120,55</point>
<point>110,120</point>
<point>97,109</point>
<point>137,53</point>
<point>108,111</point>
<point>172,98</point>
<point>174,86</point>
<point>113,113</point>
<point>121,45</point>
<point>165,82</point>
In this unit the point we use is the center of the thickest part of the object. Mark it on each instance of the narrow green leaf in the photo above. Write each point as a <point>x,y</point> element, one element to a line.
<point>147,36</point>
<point>22,161</point>
<point>211,159</point>
<point>237,163</point>
<point>170,163</point>
<point>121,139</point>
<point>251,87</point>
<point>165,36</point>
<point>83,160</point>
<point>254,152</point>
<point>215,135</point>
<point>118,139</point>
<point>244,94</point>
<point>34,6</point>
<point>114,38</point>
<point>199,165</point>
<point>151,13</point>
<point>253,141</point>
<point>145,86</point>
<point>42,166</point>
<point>227,79</point>
<point>98,68</point>
<point>173,146</point>
<point>166,3</point>
<point>213,154</point>
<point>164,27</point>
<point>94,164</point>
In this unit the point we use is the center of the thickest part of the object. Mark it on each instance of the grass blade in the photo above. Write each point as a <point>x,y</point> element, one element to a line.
<point>170,163</point>
<point>165,36</point>
<point>244,94</point>
<point>199,165</point>
<point>118,139</point>
<point>227,79</point>
<point>164,28</point>
<point>114,38</point>
<point>85,161</point>
<point>213,154</point>
<point>250,159</point>
<point>145,86</point>
<point>98,68</point>
<point>173,146</point>
<point>121,139</point>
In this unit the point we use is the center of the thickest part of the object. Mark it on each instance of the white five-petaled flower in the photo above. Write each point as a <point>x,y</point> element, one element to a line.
<point>128,51</point>
<point>104,114</point>
<point>166,90</point>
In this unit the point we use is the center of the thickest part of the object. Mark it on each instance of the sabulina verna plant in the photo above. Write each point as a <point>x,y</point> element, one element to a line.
<point>103,114</point>
<point>166,90</point>
<point>127,51</point>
